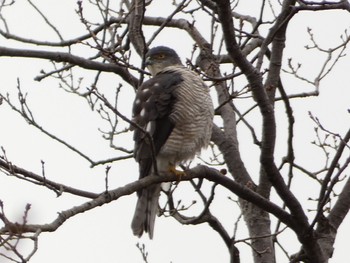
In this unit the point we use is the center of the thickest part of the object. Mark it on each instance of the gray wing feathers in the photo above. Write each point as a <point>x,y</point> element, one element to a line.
<point>146,211</point>
<point>152,107</point>
<point>175,108</point>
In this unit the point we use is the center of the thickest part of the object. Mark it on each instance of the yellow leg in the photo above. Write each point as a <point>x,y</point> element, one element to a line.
<point>172,169</point>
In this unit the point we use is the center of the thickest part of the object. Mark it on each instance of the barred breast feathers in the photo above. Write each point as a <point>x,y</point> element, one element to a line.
<point>192,115</point>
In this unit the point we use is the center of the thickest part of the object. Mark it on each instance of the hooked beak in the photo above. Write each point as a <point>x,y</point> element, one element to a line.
<point>148,61</point>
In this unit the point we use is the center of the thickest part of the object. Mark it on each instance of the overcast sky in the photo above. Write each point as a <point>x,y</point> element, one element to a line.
<point>103,234</point>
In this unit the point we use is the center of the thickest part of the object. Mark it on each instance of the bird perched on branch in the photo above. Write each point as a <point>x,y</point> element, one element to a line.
<point>174,112</point>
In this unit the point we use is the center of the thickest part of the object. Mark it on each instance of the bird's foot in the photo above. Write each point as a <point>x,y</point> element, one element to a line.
<point>172,169</point>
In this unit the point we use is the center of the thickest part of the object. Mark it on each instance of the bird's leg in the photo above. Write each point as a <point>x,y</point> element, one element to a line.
<point>172,169</point>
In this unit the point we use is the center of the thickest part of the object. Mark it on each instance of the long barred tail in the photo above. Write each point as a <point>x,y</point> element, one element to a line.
<point>146,210</point>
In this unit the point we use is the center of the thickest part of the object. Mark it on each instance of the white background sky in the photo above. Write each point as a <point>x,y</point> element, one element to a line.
<point>104,235</point>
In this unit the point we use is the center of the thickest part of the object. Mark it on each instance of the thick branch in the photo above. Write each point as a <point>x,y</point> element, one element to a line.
<point>197,172</point>
<point>323,5</point>
<point>272,81</point>
<point>341,207</point>
<point>266,108</point>
<point>72,59</point>
<point>230,151</point>
<point>268,133</point>
<point>135,23</point>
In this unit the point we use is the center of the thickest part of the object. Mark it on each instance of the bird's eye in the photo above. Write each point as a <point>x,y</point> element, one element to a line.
<point>161,56</point>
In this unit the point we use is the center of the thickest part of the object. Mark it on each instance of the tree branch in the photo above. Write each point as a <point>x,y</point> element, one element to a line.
<point>12,169</point>
<point>72,59</point>
<point>341,207</point>
<point>197,172</point>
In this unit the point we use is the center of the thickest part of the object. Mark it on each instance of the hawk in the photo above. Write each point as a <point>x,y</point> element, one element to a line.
<point>175,108</point>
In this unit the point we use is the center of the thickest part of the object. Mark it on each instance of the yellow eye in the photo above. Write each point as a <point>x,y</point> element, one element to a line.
<point>160,56</point>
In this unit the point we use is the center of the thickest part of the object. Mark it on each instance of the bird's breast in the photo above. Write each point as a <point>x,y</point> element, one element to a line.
<point>192,115</point>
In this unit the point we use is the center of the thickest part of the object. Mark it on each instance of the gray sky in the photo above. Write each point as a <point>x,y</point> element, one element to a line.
<point>104,235</point>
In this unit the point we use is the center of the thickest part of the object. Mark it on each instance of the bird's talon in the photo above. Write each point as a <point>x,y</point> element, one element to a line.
<point>172,169</point>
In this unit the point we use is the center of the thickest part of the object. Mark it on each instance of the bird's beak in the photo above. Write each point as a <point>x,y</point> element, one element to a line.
<point>148,61</point>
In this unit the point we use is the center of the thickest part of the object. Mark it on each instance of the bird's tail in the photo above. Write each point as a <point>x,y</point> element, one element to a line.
<point>146,210</point>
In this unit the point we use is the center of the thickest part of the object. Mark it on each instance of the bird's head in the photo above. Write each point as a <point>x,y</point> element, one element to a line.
<point>158,58</point>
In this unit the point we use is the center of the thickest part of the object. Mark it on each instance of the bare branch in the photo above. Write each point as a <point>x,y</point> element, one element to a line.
<point>11,169</point>
<point>72,59</point>
<point>327,185</point>
<point>197,172</point>
<point>46,20</point>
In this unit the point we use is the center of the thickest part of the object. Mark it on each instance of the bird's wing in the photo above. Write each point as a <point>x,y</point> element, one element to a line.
<point>151,110</point>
